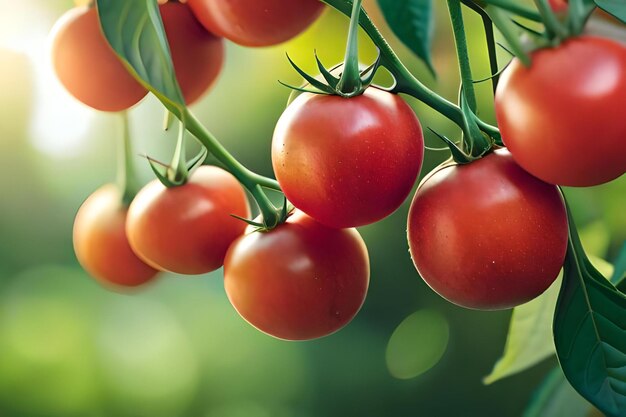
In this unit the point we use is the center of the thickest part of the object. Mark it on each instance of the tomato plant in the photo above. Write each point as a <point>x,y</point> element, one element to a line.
<point>187,229</point>
<point>101,244</point>
<point>86,65</point>
<point>299,281</point>
<point>558,116</point>
<point>197,54</point>
<point>257,22</point>
<point>487,235</point>
<point>348,161</point>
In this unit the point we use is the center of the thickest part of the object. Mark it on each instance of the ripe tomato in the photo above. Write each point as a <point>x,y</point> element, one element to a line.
<point>348,162</point>
<point>299,281</point>
<point>560,118</point>
<point>559,6</point>
<point>257,22</point>
<point>188,229</point>
<point>87,66</point>
<point>198,55</point>
<point>101,244</point>
<point>487,235</point>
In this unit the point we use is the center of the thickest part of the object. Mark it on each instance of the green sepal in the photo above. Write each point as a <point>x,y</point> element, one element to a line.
<point>328,76</point>
<point>310,79</point>
<point>162,172</point>
<point>477,143</point>
<point>458,155</point>
<point>197,160</point>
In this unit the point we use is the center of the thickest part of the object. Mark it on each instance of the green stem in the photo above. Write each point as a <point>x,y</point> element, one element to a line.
<point>509,31</point>
<point>515,7</point>
<point>552,23</point>
<point>579,12</point>
<point>254,183</point>
<point>127,180</point>
<point>178,168</point>
<point>490,39</point>
<point>405,80</point>
<point>350,81</point>
<point>460,40</point>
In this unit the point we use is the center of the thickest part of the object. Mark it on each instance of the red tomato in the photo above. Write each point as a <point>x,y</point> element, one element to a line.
<point>188,229</point>
<point>299,281</point>
<point>87,66</point>
<point>348,162</point>
<point>198,55</point>
<point>101,244</point>
<point>257,22</point>
<point>487,235</point>
<point>559,6</point>
<point>561,118</point>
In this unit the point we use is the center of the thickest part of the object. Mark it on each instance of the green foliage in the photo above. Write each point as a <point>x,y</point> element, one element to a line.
<point>135,31</point>
<point>590,332</point>
<point>616,8</point>
<point>555,397</point>
<point>412,22</point>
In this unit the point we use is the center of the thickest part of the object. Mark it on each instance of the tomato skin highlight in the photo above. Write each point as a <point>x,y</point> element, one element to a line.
<point>257,23</point>
<point>87,66</point>
<point>487,235</point>
<point>561,118</point>
<point>101,244</point>
<point>188,229</point>
<point>299,281</point>
<point>197,54</point>
<point>348,162</point>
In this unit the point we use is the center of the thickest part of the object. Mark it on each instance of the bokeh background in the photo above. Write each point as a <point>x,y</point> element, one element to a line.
<point>71,348</point>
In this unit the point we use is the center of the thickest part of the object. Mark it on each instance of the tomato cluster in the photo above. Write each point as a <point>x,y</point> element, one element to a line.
<point>488,234</point>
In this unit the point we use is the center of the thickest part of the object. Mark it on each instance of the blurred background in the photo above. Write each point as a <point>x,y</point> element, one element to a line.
<point>69,347</point>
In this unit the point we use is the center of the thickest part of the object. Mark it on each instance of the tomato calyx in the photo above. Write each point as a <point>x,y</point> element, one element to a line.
<point>286,211</point>
<point>352,81</point>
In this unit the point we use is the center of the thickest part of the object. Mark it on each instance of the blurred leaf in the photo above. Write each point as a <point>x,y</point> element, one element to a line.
<point>619,274</point>
<point>596,238</point>
<point>555,397</point>
<point>590,332</point>
<point>616,8</point>
<point>417,344</point>
<point>412,21</point>
<point>530,336</point>
<point>135,31</point>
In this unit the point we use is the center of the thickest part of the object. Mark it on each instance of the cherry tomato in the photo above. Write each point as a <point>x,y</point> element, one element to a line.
<point>198,55</point>
<point>561,118</point>
<point>487,235</point>
<point>87,66</point>
<point>257,22</point>
<point>101,244</point>
<point>559,6</point>
<point>188,229</point>
<point>299,281</point>
<point>348,162</point>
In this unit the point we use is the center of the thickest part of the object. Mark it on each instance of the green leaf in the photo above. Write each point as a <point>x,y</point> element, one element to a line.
<point>619,274</point>
<point>555,397</point>
<point>590,332</point>
<point>134,30</point>
<point>616,8</point>
<point>530,336</point>
<point>412,21</point>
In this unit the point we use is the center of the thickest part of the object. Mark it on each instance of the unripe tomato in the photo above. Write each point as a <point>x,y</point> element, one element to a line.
<point>101,244</point>
<point>197,54</point>
<point>299,281</point>
<point>188,229</point>
<point>87,66</point>
<point>561,118</point>
<point>348,161</point>
<point>257,22</point>
<point>487,235</point>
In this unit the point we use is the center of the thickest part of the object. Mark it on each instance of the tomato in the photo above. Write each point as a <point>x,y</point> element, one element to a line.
<point>101,244</point>
<point>197,54</point>
<point>559,6</point>
<point>348,162</point>
<point>188,229</point>
<point>87,66</point>
<point>257,22</point>
<point>561,118</point>
<point>487,235</point>
<point>299,281</point>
